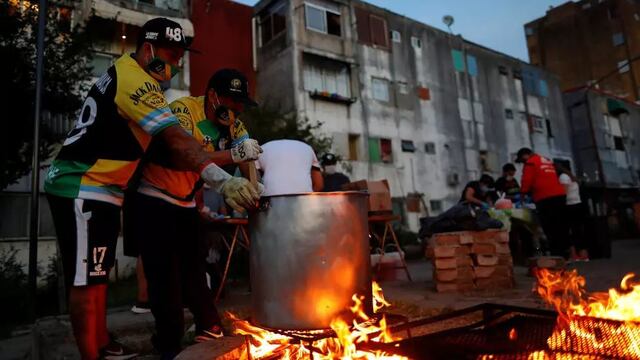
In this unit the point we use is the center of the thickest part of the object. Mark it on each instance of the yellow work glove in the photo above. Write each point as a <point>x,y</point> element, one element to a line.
<point>240,194</point>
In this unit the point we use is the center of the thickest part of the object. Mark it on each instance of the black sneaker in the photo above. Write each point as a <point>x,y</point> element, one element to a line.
<point>215,332</point>
<point>116,351</point>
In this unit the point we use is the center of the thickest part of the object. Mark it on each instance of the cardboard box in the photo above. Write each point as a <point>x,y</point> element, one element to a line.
<point>379,193</point>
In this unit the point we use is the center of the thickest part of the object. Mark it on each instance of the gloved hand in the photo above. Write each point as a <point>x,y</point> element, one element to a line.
<point>246,151</point>
<point>214,176</point>
<point>240,194</point>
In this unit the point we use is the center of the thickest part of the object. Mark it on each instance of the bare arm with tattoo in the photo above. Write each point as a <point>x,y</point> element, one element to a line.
<point>188,154</point>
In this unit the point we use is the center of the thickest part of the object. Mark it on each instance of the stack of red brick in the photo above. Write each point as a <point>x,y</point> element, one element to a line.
<point>470,260</point>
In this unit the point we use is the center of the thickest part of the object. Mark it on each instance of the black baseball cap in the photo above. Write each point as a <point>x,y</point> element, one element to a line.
<point>163,32</point>
<point>231,83</point>
<point>328,159</point>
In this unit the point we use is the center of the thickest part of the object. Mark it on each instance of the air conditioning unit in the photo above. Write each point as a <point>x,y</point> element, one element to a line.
<point>453,179</point>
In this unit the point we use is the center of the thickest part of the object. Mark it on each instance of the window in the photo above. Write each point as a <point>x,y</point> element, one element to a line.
<point>508,113</point>
<point>322,20</point>
<point>517,74</point>
<point>385,151</point>
<point>543,89</point>
<point>408,146</point>
<point>430,148</point>
<point>503,70</point>
<point>618,39</point>
<point>538,124</point>
<point>549,130</point>
<point>395,36</point>
<point>618,143</point>
<point>623,66</point>
<point>378,31</point>
<point>529,31</point>
<point>372,29</point>
<point>458,60</point>
<point>326,75</point>
<point>416,42</point>
<point>472,65</point>
<point>435,205</point>
<point>403,88</point>
<point>380,89</point>
<point>354,142</point>
<point>380,150</point>
<point>272,22</point>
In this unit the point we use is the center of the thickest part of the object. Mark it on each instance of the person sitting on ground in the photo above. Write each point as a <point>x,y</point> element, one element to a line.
<point>289,167</point>
<point>479,192</point>
<point>507,183</point>
<point>333,180</point>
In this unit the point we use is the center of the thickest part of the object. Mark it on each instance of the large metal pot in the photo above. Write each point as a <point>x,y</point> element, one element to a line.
<point>309,256</point>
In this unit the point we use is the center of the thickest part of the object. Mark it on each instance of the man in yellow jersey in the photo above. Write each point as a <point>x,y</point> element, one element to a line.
<point>122,112</point>
<point>163,220</point>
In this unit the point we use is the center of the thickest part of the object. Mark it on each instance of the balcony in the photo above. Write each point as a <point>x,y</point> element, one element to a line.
<point>170,8</point>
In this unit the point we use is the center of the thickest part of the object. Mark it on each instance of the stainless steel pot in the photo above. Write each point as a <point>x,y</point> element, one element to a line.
<point>309,256</point>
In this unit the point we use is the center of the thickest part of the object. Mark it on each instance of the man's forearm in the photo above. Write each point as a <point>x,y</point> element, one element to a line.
<point>186,152</point>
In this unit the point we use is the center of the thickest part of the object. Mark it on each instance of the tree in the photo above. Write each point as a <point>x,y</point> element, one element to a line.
<point>266,124</point>
<point>66,71</point>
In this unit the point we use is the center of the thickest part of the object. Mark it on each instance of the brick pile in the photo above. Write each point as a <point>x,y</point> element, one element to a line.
<point>471,260</point>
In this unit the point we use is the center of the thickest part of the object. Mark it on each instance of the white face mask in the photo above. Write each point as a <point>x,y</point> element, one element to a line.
<point>330,169</point>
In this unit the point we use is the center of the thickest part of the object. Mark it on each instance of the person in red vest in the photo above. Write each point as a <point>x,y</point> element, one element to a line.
<point>539,178</point>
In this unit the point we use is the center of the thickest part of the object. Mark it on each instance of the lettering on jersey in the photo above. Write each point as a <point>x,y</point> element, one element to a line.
<point>154,100</point>
<point>185,122</point>
<point>103,83</point>
<point>140,92</point>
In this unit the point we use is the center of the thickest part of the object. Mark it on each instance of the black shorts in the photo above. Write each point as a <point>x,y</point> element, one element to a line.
<point>87,235</point>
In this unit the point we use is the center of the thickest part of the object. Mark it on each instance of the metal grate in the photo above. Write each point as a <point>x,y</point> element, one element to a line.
<point>510,333</point>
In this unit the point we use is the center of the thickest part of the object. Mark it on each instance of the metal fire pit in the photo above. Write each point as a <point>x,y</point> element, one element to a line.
<point>507,332</point>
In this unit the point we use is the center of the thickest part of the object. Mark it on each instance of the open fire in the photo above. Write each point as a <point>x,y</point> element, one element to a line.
<point>345,345</point>
<point>606,324</point>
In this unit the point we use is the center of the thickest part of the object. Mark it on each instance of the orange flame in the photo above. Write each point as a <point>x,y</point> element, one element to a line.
<point>565,290</point>
<point>344,346</point>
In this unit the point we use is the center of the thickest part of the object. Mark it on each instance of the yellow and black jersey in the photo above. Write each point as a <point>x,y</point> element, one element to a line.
<point>120,114</point>
<point>179,187</point>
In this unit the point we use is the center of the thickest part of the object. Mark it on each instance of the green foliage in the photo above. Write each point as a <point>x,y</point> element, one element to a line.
<point>66,69</point>
<point>13,282</point>
<point>266,124</point>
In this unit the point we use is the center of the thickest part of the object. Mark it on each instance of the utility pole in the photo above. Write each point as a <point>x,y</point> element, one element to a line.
<point>34,219</point>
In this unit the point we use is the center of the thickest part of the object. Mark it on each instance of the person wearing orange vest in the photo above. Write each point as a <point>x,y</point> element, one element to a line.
<point>539,178</point>
<point>165,220</point>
